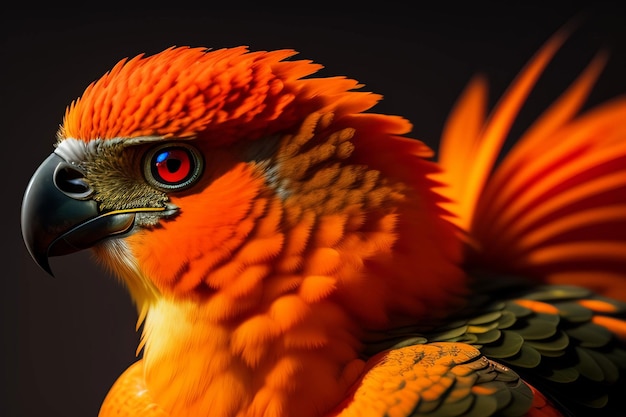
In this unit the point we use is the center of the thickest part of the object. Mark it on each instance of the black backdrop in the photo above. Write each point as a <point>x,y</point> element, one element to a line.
<point>66,339</point>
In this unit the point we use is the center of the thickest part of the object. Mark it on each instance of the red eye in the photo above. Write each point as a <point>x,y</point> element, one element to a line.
<point>173,166</point>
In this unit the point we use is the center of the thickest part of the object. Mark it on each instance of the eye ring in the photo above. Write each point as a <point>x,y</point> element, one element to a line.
<point>172,166</point>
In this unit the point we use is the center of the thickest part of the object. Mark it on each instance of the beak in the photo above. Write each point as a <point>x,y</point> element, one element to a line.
<point>59,215</point>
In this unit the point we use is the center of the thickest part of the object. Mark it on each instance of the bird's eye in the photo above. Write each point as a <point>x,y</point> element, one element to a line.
<point>173,166</point>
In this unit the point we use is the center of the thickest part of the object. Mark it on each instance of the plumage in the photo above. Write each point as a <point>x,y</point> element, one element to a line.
<point>291,252</point>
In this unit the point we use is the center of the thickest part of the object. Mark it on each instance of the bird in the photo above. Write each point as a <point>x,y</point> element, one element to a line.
<point>291,252</point>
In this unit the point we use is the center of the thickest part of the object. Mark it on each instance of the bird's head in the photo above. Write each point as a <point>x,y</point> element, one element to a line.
<point>192,172</point>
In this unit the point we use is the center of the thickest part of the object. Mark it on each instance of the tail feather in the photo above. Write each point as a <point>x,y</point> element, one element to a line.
<point>555,207</point>
<point>582,163</point>
<point>533,143</point>
<point>469,156</point>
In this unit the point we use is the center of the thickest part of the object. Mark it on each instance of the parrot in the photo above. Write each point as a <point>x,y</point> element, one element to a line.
<point>291,252</point>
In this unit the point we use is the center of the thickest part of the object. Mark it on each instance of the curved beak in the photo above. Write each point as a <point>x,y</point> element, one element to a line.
<point>59,215</point>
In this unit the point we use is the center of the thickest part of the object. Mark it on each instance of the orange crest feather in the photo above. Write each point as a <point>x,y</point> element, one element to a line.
<point>225,94</point>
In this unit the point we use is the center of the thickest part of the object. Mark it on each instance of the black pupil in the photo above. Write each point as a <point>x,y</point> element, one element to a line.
<point>173,165</point>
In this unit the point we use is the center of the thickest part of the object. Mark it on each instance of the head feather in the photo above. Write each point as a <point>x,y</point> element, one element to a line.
<point>224,95</point>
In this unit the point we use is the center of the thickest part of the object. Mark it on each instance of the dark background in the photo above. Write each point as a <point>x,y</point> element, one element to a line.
<point>66,339</point>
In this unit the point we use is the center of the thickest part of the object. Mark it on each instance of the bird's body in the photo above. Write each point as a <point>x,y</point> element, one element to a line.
<point>292,254</point>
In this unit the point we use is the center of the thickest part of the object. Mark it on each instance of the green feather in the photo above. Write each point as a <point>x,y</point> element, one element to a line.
<point>509,345</point>
<point>488,337</point>
<point>457,408</point>
<point>527,357</point>
<point>563,375</point>
<point>590,335</point>
<point>574,312</point>
<point>558,292</point>
<point>609,369</point>
<point>540,327</point>
<point>553,346</point>
<point>485,318</point>
<point>588,367</point>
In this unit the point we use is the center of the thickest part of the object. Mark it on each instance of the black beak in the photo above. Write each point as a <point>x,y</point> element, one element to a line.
<point>59,215</point>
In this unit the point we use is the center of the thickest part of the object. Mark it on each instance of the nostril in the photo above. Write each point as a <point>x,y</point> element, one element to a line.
<point>72,182</point>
